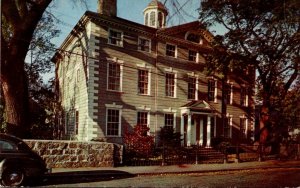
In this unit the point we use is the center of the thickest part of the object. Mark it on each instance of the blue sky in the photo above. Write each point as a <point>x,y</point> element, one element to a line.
<point>132,10</point>
<point>69,14</point>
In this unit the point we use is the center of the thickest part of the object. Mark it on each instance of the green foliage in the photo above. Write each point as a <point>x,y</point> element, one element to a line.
<point>169,138</point>
<point>264,34</point>
<point>138,143</point>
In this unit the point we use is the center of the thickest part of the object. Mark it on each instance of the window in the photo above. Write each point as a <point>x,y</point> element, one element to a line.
<point>160,19</point>
<point>146,18</point>
<point>113,122</point>
<point>192,90</point>
<point>243,127</point>
<point>193,38</point>
<point>192,56</point>
<point>228,93</point>
<point>142,120</point>
<point>244,96</point>
<point>169,120</point>
<point>170,50</point>
<point>227,127</point>
<point>114,76</point>
<point>76,121</point>
<point>212,90</point>
<point>5,145</point>
<point>170,85</point>
<point>143,82</point>
<point>144,44</point>
<point>152,19</point>
<point>115,38</point>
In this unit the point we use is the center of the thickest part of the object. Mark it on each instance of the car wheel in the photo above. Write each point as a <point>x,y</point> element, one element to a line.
<point>12,177</point>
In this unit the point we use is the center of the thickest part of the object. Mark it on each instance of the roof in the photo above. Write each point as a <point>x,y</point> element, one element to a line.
<point>199,106</point>
<point>156,4</point>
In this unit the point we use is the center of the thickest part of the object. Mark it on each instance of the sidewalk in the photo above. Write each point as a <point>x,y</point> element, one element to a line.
<point>196,168</point>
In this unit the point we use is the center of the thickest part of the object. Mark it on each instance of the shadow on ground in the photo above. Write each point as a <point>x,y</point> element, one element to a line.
<point>79,177</point>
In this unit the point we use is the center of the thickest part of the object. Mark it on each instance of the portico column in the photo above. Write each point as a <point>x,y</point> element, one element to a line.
<point>182,130</point>
<point>189,128</point>
<point>208,131</point>
<point>201,131</point>
<point>215,125</point>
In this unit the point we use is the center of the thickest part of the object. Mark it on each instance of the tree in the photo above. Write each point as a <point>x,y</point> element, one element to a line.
<point>263,34</point>
<point>19,19</point>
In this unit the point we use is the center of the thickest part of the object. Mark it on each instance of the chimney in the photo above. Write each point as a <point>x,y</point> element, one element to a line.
<point>107,7</point>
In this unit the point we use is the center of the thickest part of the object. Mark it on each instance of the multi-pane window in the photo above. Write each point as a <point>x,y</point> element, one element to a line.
<point>244,97</point>
<point>152,18</point>
<point>228,93</point>
<point>169,120</point>
<point>170,50</point>
<point>146,18</point>
<point>76,121</point>
<point>114,77</point>
<point>192,55</point>
<point>192,90</point>
<point>115,38</point>
<point>143,82</point>
<point>211,90</point>
<point>144,44</point>
<point>170,85</point>
<point>113,122</point>
<point>243,126</point>
<point>227,127</point>
<point>142,120</point>
<point>160,19</point>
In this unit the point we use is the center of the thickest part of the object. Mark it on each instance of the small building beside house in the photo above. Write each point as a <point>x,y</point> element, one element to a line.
<point>113,74</point>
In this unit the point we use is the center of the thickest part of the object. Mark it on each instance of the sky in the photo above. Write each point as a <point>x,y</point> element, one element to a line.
<point>69,14</point>
<point>132,10</point>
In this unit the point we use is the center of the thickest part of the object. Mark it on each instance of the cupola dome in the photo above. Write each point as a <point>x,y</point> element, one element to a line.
<point>155,14</point>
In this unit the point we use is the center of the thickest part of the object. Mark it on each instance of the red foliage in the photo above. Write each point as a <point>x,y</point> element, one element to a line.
<point>138,142</point>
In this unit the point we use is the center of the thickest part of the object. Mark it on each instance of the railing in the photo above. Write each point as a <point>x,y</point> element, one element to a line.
<point>202,155</point>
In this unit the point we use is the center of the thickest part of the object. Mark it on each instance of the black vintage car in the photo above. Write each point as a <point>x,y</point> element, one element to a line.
<point>18,162</point>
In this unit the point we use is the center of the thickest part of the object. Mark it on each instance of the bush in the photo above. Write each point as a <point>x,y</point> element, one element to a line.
<point>138,144</point>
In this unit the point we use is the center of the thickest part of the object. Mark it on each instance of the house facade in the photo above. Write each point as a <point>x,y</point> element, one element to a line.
<point>113,74</point>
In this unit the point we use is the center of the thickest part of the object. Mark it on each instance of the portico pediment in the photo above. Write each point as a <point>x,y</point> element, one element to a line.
<point>198,106</point>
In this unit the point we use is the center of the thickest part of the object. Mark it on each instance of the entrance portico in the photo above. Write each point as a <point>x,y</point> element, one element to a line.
<point>198,124</point>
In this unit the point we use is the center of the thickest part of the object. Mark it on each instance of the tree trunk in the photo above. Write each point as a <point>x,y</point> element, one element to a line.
<point>15,91</point>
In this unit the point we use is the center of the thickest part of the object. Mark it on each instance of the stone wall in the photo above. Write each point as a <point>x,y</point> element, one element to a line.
<point>74,154</point>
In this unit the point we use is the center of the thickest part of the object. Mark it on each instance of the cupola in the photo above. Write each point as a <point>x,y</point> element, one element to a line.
<point>155,14</point>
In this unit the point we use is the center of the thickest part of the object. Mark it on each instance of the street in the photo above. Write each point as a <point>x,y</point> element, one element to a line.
<point>276,177</point>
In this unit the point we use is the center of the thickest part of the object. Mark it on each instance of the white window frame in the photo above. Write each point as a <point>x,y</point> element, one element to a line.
<point>139,44</point>
<point>120,63</point>
<point>113,107</point>
<point>148,118</point>
<point>195,76</point>
<point>246,99</point>
<point>171,111</point>
<point>175,84</point>
<point>230,89</point>
<point>148,81</point>
<point>175,50</point>
<point>245,119</point>
<point>117,39</point>
<point>215,89</point>
<point>229,119</point>
<point>196,57</point>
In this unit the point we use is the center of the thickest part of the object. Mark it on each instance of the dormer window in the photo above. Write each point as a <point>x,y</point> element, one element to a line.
<point>193,37</point>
